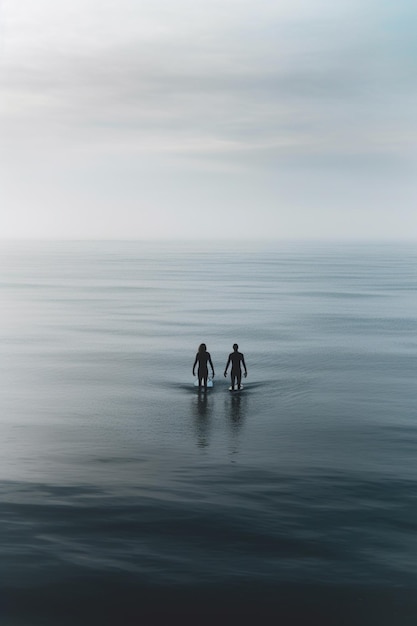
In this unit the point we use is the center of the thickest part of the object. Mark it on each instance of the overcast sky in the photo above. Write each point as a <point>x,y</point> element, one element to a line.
<point>208,118</point>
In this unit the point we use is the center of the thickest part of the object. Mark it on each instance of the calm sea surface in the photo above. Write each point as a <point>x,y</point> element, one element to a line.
<point>127,497</point>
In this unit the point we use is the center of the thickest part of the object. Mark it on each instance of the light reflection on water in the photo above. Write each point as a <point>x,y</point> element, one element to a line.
<point>114,467</point>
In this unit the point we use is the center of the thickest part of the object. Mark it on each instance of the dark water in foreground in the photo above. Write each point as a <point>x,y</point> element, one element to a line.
<point>126,497</point>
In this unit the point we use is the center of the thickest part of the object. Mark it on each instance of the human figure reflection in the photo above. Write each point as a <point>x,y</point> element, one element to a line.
<point>202,419</point>
<point>236,409</point>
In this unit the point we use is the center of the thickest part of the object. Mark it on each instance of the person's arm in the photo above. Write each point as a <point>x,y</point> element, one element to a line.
<point>244,365</point>
<point>211,364</point>
<point>195,363</point>
<point>227,365</point>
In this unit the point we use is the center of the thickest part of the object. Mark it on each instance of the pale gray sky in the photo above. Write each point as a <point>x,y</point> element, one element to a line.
<point>208,118</point>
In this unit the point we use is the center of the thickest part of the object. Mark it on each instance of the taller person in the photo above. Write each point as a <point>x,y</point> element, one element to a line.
<point>237,360</point>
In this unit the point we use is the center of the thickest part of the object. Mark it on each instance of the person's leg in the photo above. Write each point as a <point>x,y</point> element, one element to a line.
<point>239,378</point>
<point>203,375</point>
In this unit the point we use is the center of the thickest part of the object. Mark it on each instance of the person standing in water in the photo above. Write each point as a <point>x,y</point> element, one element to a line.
<point>237,360</point>
<point>203,358</point>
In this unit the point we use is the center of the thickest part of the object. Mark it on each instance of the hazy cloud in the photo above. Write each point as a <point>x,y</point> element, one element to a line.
<point>200,93</point>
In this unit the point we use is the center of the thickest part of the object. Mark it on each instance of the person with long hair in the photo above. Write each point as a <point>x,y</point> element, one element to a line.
<point>203,358</point>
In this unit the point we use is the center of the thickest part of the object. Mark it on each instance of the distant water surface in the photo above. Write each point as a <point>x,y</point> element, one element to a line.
<point>128,497</point>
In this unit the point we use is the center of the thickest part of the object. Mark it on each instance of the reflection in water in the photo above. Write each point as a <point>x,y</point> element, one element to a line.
<point>202,411</point>
<point>236,409</point>
<point>230,412</point>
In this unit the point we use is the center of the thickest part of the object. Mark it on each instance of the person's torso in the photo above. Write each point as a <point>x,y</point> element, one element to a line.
<point>203,358</point>
<point>236,358</point>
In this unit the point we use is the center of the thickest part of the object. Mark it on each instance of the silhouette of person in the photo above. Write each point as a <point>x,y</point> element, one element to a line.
<point>236,359</point>
<point>203,358</point>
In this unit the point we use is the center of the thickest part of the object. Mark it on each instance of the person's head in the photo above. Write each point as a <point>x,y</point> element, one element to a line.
<point>235,347</point>
<point>202,347</point>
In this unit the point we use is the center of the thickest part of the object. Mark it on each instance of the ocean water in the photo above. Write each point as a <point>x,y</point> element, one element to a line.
<point>128,497</point>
